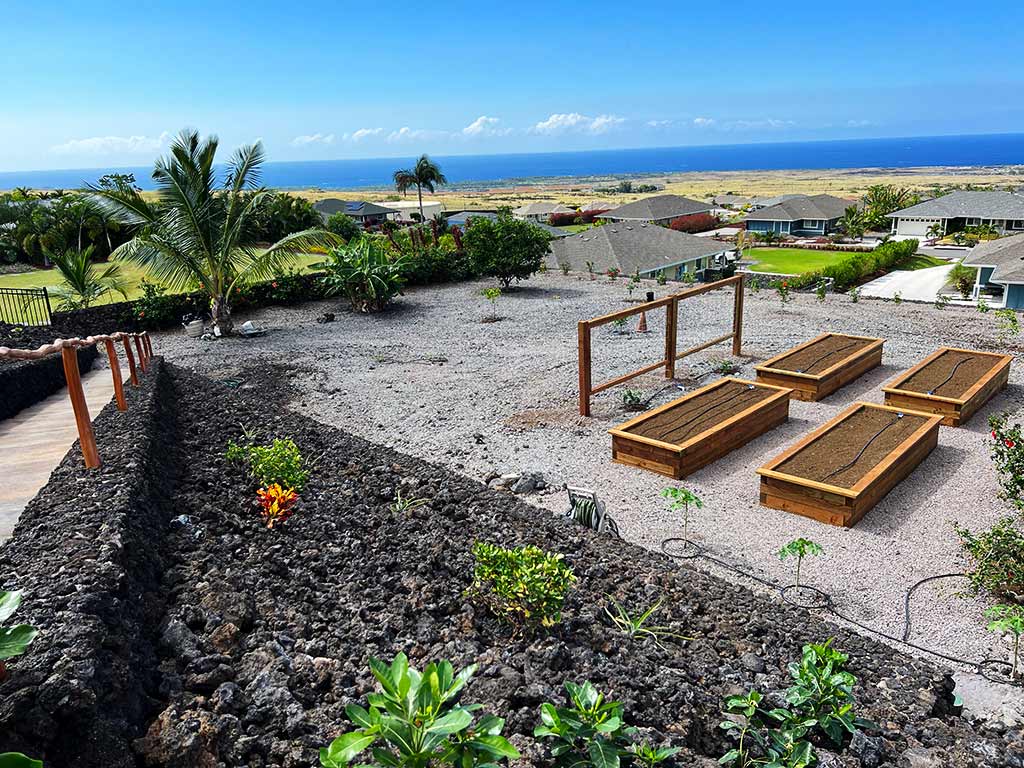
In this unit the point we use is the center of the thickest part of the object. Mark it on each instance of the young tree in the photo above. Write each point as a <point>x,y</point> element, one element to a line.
<point>201,231</point>
<point>84,281</point>
<point>1009,619</point>
<point>799,548</point>
<point>506,248</point>
<point>426,174</point>
<point>853,223</point>
<point>344,226</point>
<point>680,500</point>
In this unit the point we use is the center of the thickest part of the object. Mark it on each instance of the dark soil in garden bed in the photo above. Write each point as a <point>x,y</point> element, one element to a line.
<point>821,355</point>
<point>680,423</point>
<point>846,453</point>
<point>950,374</point>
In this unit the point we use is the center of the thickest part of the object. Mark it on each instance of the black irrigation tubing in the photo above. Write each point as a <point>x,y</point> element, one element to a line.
<point>867,445</point>
<point>829,607</point>
<point>719,404</point>
<point>822,357</point>
<point>952,373</point>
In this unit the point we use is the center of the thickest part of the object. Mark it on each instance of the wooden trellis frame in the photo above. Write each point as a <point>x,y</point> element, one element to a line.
<point>671,304</point>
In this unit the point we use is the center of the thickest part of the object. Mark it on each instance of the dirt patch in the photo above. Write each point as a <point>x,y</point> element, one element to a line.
<point>680,423</point>
<point>821,355</point>
<point>844,454</point>
<point>950,374</point>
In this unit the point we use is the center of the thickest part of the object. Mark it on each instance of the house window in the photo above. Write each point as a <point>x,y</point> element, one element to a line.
<point>973,222</point>
<point>1017,224</point>
<point>812,223</point>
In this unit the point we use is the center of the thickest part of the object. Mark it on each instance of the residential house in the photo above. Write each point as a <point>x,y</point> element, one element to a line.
<point>732,202</point>
<point>800,215</point>
<point>638,247</point>
<point>767,202</point>
<point>365,213</point>
<point>660,209</point>
<point>1000,265</point>
<point>409,210</point>
<point>953,212</point>
<point>597,206</point>
<point>462,219</point>
<point>540,211</point>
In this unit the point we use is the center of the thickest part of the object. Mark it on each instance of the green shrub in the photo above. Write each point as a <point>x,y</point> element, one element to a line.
<point>506,248</point>
<point>366,273</point>
<point>415,722</point>
<point>855,267</point>
<point>1008,456</point>
<point>998,559</point>
<point>822,690</point>
<point>344,226</point>
<point>280,462</point>
<point>524,586</point>
<point>16,639</point>
<point>962,279</point>
<point>436,264</point>
<point>1008,619</point>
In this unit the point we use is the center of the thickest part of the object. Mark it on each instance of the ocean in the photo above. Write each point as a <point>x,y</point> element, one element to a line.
<point>469,171</point>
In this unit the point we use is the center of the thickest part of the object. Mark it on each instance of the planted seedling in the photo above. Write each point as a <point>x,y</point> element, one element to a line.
<point>1009,619</point>
<point>633,400</point>
<point>821,292</point>
<point>1008,324</point>
<point>983,306</point>
<point>782,290</point>
<point>897,298</point>
<point>613,272</point>
<point>404,504</point>
<point>799,548</point>
<point>16,639</point>
<point>728,367</point>
<point>492,295</point>
<point>619,324</point>
<point>636,625</point>
<point>854,295</point>
<point>941,301</point>
<point>590,269</point>
<point>564,266</point>
<point>680,500</point>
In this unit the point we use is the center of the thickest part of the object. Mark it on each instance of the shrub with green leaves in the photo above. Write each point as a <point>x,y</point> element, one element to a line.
<point>1009,619</point>
<point>963,279</point>
<point>998,559</point>
<point>592,732</point>
<point>680,500</point>
<point>769,738</point>
<point>16,639</point>
<point>415,722</point>
<point>524,586</point>
<point>1007,323</point>
<point>280,462</point>
<point>1008,457</point>
<point>365,272</point>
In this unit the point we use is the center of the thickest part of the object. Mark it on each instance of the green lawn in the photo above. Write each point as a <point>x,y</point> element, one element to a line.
<point>574,228</point>
<point>792,261</point>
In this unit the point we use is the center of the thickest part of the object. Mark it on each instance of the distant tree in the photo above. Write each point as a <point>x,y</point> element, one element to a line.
<point>768,236</point>
<point>882,199</point>
<point>282,214</point>
<point>506,248</point>
<point>853,223</point>
<point>426,174</point>
<point>695,222</point>
<point>118,181</point>
<point>344,226</point>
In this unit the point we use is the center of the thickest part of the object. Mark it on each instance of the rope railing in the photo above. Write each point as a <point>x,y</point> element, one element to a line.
<point>68,350</point>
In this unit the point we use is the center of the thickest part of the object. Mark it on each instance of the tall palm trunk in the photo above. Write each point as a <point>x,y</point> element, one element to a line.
<point>419,193</point>
<point>220,311</point>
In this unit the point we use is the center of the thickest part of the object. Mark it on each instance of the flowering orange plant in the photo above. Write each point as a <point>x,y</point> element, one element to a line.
<point>276,503</point>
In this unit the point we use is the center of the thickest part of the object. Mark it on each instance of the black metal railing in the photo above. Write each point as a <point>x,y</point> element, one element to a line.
<point>25,306</point>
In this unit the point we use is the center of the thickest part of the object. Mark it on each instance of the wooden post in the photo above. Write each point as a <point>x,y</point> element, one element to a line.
<point>149,344</point>
<point>132,373</point>
<point>138,348</point>
<point>583,345</point>
<point>85,434</point>
<point>671,312</point>
<point>115,374</point>
<point>737,317</point>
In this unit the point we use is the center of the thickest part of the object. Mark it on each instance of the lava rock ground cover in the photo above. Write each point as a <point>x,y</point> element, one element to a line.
<point>267,633</point>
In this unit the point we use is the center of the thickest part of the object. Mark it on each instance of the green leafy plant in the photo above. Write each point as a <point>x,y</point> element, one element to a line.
<point>821,292</point>
<point>782,291</point>
<point>755,284</point>
<point>18,760</point>
<point>633,400</point>
<point>962,279</point>
<point>998,559</point>
<point>404,504</point>
<point>768,738</point>
<point>689,278</point>
<point>799,548</point>
<point>415,722</point>
<point>1009,619</point>
<point>638,625</point>
<point>619,324</point>
<point>854,295</point>
<point>941,301</point>
<point>613,272</point>
<point>661,279</point>
<point>564,266</point>
<point>897,298</point>
<point>591,731</point>
<point>492,295</point>
<point>366,273</point>
<point>983,306</point>
<point>280,462</point>
<point>680,500</point>
<point>506,248</point>
<point>1007,323</point>
<point>524,586</point>
<point>1008,457</point>
<point>16,639</point>
<point>727,367</point>
<point>83,281</point>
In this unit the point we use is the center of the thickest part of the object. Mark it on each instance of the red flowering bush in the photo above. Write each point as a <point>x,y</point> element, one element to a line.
<point>1008,456</point>
<point>696,222</point>
<point>588,217</point>
<point>276,503</point>
<point>563,219</point>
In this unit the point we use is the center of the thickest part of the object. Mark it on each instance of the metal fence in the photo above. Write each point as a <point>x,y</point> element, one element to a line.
<point>26,306</point>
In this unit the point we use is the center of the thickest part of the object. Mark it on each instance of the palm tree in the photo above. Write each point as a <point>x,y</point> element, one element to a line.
<point>200,232</point>
<point>84,280</point>
<point>853,222</point>
<point>425,174</point>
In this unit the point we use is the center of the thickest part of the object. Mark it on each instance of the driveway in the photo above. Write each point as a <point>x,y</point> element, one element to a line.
<point>916,285</point>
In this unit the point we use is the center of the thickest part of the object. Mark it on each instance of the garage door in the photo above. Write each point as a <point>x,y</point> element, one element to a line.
<point>915,227</point>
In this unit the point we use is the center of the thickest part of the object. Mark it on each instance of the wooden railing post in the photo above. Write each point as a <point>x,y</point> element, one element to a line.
<point>138,348</point>
<point>115,374</point>
<point>132,373</point>
<point>583,346</point>
<point>671,315</point>
<point>149,344</point>
<point>737,317</point>
<point>85,434</point>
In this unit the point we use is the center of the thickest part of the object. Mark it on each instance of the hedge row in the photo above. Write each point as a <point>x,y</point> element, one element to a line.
<point>857,267</point>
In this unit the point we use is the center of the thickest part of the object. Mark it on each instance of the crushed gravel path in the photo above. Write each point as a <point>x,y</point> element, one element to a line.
<point>430,379</point>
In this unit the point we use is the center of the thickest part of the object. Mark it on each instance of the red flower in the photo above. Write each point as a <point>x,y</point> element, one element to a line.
<point>273,285</point>
<point>142,314</point>
<point>994,435</point>
<point>1009,443</point>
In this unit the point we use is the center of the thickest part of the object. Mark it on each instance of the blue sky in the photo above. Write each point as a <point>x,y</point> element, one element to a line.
<point>99,84</point>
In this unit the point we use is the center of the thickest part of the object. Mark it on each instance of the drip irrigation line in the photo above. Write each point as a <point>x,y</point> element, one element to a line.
<point>704,412</point>
<point>822,357</point>
<point>867,445</point>
<point>910,594</point>
<point>952,373</point>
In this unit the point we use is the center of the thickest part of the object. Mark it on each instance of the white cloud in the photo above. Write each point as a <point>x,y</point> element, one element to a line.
<point>485,126</point>
<point>113,145</point>
<point>703,122</point>
<point>405,133</point>
<point>314,138</point>
<point>754,125</point>
<point>658,123</point>
<point>858,123</point>
<point>364,133</point>
<point>574,122</point>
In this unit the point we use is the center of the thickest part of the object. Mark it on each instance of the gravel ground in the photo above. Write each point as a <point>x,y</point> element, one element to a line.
<point>430,379</point>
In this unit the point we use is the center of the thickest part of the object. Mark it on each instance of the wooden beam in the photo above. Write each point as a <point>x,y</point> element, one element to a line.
<point>115,374</point>
<point>583,348</point>
<point>86,438</point>
<point>671,323</point>
<point>138,348</point>
<point>701,347</point>
<point>737,319</point>
<point>133,375</point>
<point>626,377</point>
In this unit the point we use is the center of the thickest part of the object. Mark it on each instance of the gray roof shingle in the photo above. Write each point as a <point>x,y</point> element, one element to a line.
<point>801,207</point>
<point>657,208</point>
<point>1005,254</point>
<point>984,205</point>
<point>628,247</point>
<point>332,205</point>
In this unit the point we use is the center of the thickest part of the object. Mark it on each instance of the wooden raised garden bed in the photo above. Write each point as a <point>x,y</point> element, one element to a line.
<point>817,368</point>
<point>951,382</point>
<point>680,437</point>
<point>842,469</point>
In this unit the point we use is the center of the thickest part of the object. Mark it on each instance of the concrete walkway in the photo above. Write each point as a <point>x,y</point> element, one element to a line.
<point>34,442</point>
<point>915,285</point>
